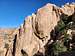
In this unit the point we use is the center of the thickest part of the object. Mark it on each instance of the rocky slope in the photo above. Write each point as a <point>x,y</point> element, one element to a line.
<point>34,37</point>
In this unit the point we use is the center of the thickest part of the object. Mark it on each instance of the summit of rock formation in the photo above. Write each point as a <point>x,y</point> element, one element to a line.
<point>35,33</point>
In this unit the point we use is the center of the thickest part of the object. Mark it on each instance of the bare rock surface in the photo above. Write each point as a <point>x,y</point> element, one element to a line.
<point>34,33</point>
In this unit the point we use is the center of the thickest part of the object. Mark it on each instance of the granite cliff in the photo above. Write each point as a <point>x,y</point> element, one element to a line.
<point>37,32</point>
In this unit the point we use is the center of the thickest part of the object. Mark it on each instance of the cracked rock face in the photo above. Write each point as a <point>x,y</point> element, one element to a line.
<point>31,37</point>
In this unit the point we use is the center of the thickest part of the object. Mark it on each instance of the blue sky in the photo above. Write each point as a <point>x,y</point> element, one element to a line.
<point>13,12</point>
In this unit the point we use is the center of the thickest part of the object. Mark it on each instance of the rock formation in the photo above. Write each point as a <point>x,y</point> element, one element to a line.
<point>33,35</point>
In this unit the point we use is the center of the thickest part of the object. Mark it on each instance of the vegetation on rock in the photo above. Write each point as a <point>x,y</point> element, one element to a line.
<point>62,35</point>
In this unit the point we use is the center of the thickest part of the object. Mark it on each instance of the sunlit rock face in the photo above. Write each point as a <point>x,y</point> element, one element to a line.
<point>31,37</point>
<point>68,9</point>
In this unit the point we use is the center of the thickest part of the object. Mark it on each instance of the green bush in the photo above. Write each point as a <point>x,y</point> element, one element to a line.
<point>58,47</point>
<point>63,25</point>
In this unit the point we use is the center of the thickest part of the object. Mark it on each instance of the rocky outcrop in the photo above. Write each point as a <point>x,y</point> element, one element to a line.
<point>33,35</point>
<point>68,9</point>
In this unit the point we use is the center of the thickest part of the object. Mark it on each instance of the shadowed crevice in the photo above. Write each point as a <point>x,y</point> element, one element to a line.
<point>14,46</point>
<point>24,53</point>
